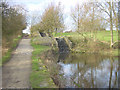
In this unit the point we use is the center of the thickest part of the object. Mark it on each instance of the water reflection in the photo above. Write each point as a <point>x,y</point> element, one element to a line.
<point>87,70</point>
<point>90,71</point>
<point>62,56</point>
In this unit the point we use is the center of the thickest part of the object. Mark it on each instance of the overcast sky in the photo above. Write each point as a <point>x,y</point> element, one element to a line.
<point>37,7</point>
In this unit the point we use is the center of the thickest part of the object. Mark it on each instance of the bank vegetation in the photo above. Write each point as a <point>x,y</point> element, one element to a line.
<point>13,22</point>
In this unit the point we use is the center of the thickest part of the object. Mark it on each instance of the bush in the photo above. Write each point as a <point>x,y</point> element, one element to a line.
<point>88,44</point>
<point>116,45</point>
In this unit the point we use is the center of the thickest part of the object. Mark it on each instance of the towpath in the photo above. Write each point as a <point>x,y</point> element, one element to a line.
<point>16,72</point>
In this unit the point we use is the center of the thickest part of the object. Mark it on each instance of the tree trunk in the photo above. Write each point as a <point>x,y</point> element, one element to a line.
<point>116,20</point>
<point>116,32</point>
<point>78,19</point>
<point>78,22</point>
<point>111,24</point>
<point>111,28</point>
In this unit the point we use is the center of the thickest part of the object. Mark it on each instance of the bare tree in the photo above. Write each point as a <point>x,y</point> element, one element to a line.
<point>85,18</point>
<point>110,9</point>
<point>79,14</point>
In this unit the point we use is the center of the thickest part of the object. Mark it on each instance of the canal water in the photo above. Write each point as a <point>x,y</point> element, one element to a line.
<point>82,70</point>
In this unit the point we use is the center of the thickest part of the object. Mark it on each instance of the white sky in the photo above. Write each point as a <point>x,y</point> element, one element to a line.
<point>37,7</point>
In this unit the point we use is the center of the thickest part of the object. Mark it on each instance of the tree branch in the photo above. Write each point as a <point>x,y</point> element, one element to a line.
<point>103,8</point>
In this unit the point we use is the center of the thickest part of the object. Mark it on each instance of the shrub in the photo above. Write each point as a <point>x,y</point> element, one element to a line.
<point>88,44</point>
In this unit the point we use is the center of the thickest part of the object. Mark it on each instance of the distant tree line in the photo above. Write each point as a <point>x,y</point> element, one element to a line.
<point>13,22</point>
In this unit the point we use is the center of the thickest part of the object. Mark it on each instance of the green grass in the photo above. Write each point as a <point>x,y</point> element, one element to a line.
<point>8,54</point>
<point>40,76</point>
<point>100,35</point>
<point>65,34</point>
<point>106,36</point>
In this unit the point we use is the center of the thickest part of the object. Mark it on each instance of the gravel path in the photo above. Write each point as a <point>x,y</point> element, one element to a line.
<point>16,72</point>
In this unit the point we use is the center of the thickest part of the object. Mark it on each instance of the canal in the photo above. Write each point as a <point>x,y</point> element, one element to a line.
<point>70,70</point>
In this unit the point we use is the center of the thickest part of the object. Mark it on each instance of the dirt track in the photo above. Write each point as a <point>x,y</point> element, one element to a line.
<point>16,72</point>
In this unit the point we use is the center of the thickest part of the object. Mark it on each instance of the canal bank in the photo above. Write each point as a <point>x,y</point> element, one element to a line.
<point>64,68</point>
<point>70,70</point>
<point>40,76</point>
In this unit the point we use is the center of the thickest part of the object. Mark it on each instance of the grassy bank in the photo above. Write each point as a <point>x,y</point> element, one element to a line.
<point>40,76</point>
<point>98,43</point>
<point>8,54</point>
<point>100,35</point>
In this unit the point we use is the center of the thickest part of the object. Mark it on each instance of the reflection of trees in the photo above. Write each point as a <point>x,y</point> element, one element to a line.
<point>92,60</point>
<point>62,56</point>
<point>116,76</point>
<point>79,77</point>
<point>92,78</point>
<point>111,69</point>
<point>85,74</point>
<point>85,69</point>
<point>111,74</point>
<point>115,82</point>
<point>83,64</point>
